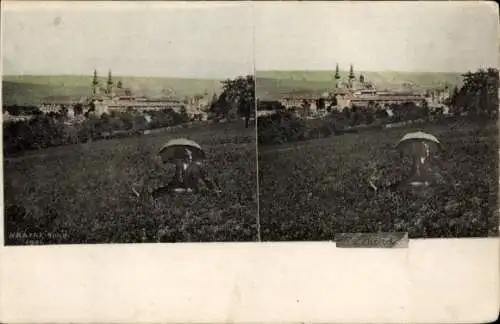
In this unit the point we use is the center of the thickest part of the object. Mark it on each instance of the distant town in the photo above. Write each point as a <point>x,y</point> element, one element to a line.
<point>357,91</point>
<point>115,97</point>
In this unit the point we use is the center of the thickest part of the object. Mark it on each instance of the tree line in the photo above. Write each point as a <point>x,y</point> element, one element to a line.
<point>53,129</point>
<point>478,94</point>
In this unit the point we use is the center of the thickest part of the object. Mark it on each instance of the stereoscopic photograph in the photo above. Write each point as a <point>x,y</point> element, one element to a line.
<point>320,156</point>
<point>128,124</point>
<point>377,119</point>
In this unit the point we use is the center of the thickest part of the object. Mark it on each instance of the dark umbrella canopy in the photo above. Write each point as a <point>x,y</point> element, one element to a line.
<point>414,141</point>
<point>426,168</point>
<point>181,149</point>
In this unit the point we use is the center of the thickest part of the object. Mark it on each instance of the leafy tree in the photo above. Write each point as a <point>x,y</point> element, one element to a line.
<point>105,124</point>
<point>320,103</point>
<point>347,112</point>
<point>182,116</point>
<point>369,115</point>
<point>92,127</point>
<point>91,109</point>
<point>78,109</point>
<point>425,109</point>
<point>121,122</point>
<point>478,94</point>
<point>240,92</point>
<point>333,101</point>
<point>214,100</point>
<point>306,106</point>
<point>221,106</point>
<point>63,110</point>
<point>14,110</point>
<point>139,123</point>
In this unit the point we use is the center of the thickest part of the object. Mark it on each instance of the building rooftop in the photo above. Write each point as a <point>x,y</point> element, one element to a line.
<point>122,92</point>
<point>387,97</point>
<point>55,100</point>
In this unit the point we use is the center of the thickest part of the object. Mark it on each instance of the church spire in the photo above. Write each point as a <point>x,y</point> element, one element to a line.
<point>337,76</point>
<point>337,72</point>
<point>109,83</point>
<point>352,77</point>
<point>95,83</point>
<point>351,73</point>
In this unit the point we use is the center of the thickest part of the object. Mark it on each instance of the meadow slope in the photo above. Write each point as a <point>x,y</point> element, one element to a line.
<point>316,189</point>
<point>84,191</point>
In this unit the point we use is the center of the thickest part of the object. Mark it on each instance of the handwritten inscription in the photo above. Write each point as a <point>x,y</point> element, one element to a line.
<point>37,237</point>
<point>371,240</point>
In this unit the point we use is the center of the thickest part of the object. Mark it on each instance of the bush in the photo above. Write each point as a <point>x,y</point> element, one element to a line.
<point>37,133</point>
<point>280,128</point>
<point>49,130</point>
<point>284,127</point>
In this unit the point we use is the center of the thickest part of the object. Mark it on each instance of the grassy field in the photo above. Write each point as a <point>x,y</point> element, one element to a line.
<point>82,193</point>
<point>32,89</point>
<point>270,85</point>
<point>315,189</point>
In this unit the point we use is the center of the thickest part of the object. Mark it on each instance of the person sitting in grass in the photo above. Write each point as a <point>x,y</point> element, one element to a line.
<point>189,174</point>
<point>427,169</point>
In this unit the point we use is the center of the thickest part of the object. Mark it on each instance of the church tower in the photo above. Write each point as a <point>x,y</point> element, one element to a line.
<point>352,77</point>
<point>95,83</point>
<point>337,76</point>
<point>109,85</point>
<point>362,79</point>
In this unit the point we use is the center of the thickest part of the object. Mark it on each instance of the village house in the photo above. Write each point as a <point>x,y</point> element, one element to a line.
<point>8,118</point>
<point>310,104</point>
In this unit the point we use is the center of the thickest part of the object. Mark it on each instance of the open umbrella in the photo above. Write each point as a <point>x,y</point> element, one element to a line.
<point>187,156</point>
<point>419,139</point>
<point>425,168</point>
<point>181,149</point>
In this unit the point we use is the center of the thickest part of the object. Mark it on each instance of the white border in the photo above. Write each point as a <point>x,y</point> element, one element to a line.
<point>433,281</point>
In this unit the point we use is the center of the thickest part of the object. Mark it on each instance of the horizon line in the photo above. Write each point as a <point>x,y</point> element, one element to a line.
<point>214,78</point>
<point>374,71</point>
<point>122,76</point>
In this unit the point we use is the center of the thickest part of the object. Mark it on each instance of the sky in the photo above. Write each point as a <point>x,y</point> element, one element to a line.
<point>219,40</point>
<point>132,39</point>
<point>400,36</point>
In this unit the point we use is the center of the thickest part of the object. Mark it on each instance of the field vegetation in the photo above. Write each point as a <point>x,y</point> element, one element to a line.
<point>314,175</point>
<point>75,182</point>
<point>82,193</point>
<point>312,190</point>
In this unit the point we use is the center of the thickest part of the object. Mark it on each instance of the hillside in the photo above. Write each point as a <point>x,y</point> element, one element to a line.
<point>33,89</point>
<point>273,84</point>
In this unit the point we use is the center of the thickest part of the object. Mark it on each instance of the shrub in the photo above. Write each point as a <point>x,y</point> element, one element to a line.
<point>279,128</point>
